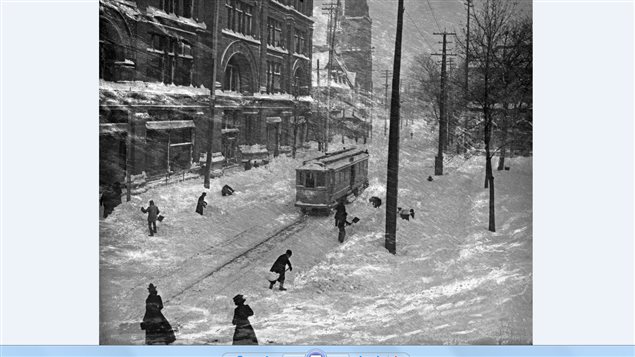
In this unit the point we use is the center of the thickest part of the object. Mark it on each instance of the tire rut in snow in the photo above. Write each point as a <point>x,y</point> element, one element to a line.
<point>278,236</point>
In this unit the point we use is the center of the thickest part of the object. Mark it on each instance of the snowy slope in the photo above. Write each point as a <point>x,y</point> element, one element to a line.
<point>452,281</point>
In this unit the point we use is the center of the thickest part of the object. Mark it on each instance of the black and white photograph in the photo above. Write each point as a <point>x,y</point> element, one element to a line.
<point>315,172</point>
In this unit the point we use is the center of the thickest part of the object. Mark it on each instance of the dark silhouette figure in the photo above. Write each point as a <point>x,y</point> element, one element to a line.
<point>429,178</point>
<point>340,211</point>
<point>280,267</point>
<point>405,213</point>
<point>153,214</point>
<point>244,333</point>
<point>341,225</point>
<point>157,327</point>
<point>111,198</point>
<point>201,204</point>
<point>227,191</point>
<point>376,201</point>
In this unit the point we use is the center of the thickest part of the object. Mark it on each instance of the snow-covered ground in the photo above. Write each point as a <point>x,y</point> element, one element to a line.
<point>451,282</point>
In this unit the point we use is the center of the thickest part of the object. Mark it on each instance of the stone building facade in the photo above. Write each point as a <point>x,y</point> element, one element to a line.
<point>355,42</point>
<point>156,75</point>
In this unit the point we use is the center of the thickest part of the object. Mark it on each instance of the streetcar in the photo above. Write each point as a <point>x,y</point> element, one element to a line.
<point>323,181</point>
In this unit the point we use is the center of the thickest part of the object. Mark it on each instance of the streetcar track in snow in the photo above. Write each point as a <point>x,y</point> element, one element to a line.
<point>284,232</point>
<point>206,251</point>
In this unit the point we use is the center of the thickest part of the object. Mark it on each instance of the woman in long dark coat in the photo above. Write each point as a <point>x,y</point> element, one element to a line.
<point>157,327</point>
<point>201,204</point>
<point>244,333</point>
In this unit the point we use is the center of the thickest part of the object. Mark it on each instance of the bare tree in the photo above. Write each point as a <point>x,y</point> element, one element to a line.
<point>492,20</point>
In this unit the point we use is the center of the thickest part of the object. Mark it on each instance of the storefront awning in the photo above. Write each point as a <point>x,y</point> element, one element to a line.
<point>272,120</point>
<point>171,124</point>
<point>118,128</point>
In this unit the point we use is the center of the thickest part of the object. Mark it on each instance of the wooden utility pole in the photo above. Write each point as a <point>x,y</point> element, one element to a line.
<point>386,75</point>
<point>212,97</point>
<point>467,48</point>
<point>318,101</point>
<point>443,122</point>
<point>333,11</point>
<point>392,184</point>
<point>129,159</point>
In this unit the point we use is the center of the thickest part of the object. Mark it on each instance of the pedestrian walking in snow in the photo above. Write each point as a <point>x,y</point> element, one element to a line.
<point>244,334</point>
<point>201,204</point>
<point>429,178</point>
<point>227,191</point>
<point>153,214</point>
<point>376,201</point>
<point>280,267</point>
<point>158,329</point>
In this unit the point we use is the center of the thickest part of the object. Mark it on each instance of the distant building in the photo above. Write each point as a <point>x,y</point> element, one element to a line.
<point>355,42</point>
<point>155,70</point>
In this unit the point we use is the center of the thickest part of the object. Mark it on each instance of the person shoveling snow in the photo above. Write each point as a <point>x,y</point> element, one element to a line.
<point>280,267</point>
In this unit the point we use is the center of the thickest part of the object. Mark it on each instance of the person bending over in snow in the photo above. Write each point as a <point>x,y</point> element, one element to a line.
<point>153,213</point>
<point>201,204</point>
<point>376,201</point>
<point>404,213</point>
<point>280,267</point>
<point>227,191</point>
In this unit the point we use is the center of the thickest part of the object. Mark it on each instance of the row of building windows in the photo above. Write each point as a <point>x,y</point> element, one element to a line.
<point>300,5</point>
<point>239,17</point>
<point>273,76</point>
<point>170,60</point>
<point>181,8</point>
<point>240,20</point>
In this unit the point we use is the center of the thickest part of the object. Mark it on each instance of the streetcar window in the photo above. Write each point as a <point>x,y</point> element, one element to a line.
<point>309,179</point>
<point>320,180</point>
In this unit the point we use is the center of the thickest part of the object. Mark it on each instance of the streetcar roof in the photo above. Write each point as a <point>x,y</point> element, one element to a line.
<point>336,159</point>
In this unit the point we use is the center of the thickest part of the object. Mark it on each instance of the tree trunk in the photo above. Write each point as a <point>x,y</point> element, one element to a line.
<point>489,176</point>
<point>492,213</point>
<point>501,158</point>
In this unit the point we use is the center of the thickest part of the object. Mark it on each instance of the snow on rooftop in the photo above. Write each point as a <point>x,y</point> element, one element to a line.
<point>184,20</point>
<point>153,87</point>
<point>241,36</point>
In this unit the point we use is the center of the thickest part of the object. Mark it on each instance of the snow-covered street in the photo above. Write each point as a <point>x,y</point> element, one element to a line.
<point>451,282</point>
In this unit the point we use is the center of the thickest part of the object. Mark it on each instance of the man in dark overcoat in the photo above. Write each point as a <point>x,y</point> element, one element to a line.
<point>201,204</point>
<point>153,214</point>
<point>280,267</point>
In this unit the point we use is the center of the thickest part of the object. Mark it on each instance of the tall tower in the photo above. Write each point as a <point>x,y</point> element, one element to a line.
<point>355,42</point>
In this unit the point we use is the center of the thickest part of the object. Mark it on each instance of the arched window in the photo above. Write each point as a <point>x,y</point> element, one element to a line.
<point>232,76</point>
<point>111,50</point>
<point>299,82</point>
